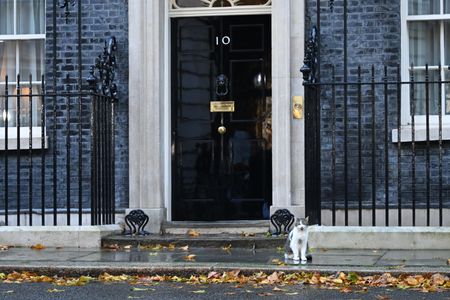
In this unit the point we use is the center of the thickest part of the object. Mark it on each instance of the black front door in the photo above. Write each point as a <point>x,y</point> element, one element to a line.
<point>221,118</point>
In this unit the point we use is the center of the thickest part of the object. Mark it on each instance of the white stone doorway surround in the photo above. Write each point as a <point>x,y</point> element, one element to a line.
<point>149,107</point>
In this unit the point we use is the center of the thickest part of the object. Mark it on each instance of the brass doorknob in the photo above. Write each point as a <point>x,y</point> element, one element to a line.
<point>221,130</point>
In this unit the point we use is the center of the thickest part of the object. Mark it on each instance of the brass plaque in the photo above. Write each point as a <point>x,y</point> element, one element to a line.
<point>222,106</point>
<point>297,107</point>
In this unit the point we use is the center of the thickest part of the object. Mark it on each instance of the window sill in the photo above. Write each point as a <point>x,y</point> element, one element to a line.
<point>36,141</point>
<point>420,133</point>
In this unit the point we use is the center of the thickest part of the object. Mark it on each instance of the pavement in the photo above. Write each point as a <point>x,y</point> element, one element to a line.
<point>166,290</point>
<point>176,261</point>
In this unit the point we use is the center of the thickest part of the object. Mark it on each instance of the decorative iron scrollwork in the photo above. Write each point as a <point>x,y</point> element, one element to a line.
<point>282,218</point>
<point>136,221</point>
<point>105,69</point>
<point>331,4</point>
<point>65,5</point>
<point>310,62</point>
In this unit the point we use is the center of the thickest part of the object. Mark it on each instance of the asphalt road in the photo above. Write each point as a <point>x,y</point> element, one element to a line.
<point>164,291</point>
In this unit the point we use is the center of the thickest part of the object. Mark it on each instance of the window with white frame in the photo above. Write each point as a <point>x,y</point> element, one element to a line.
<point>426,41</point>
<point>22,44</point>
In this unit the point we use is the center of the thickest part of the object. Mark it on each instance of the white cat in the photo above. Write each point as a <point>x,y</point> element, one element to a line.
<point>297,241</point>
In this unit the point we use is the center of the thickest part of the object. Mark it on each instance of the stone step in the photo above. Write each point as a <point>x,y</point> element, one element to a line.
<point>218,227</point>
<point>249,241</point>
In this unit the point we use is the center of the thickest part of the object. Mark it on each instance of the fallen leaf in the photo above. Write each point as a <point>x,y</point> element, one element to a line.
<point>37,247</point>
<point>268,234</point>
<point>184,248</point>
<point>136,289</point>
<point>412,281</point>
<point>291,294</point>
<point>199,292</point>
<point>156,247</point>
<point>4,247</point>
<point>277,289</point>
<point>226,248</point>
<point>190,257</point>
<point>265,294</point>
<point>213,274</point>
<point>134,297</point>
<point>127,247</point>
<point>85,278</point>
<point>111,246</point>
<point>193,233</point>
<point>247,234</point>
<point>230,293</point>
<point>273,278</point>
<point>396,267</point>
<point>55,291</point>
<point>437,279</point>
<point>346,290</point>
<point>171,247</point>
<point>278,262</point>
<point>382,297</point>
<point>448,261</point>
<point>2,276</point>
<point>153,253</point>
<point>8,292</point>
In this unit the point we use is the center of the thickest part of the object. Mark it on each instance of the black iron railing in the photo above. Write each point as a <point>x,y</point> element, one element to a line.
<point>380,145</point>
<point>58,155</point>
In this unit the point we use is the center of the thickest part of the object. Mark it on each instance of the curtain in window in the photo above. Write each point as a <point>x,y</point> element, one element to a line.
<point>7,60</point>
<point>30,17</point>
<point>6,16</point>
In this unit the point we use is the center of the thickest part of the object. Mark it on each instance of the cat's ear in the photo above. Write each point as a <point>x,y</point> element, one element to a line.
<point>297,220</point>
<point>307,219</point>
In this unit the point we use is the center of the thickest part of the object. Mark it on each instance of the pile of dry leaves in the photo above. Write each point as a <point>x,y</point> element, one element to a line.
<point>345,282</point>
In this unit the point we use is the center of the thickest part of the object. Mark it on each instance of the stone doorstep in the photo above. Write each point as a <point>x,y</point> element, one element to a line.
<point>257,241</point>
<point>321,237</point>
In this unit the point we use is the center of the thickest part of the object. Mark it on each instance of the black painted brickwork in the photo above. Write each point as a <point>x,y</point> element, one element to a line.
<point>100,20</point>
<point>373,39</point>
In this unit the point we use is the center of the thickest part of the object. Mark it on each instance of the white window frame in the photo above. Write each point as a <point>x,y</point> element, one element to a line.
<point>24,130</point>
<point>420,120</point>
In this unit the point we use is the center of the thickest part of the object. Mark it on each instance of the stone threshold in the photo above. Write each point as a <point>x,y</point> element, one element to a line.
<point>216,227</point>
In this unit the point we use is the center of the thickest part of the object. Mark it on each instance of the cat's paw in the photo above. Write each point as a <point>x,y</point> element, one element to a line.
<point>297,259</point>
<point>304,258</point>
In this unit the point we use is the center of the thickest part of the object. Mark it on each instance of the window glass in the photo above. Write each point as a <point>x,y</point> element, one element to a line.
<point>447,6</point>
<point>31,59</point>
<point>423,7</point>
<point>6,16</point>
<point>447,42</point>
<point>420,92</point>
<point>11,115</point>
<point>8,60</point>
<point>30,16</point>
<point>447,93</point>
<point>424,43</point>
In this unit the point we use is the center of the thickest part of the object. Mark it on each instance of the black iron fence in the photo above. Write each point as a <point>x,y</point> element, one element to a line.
<point>57,155</point>
<point>377,149</point>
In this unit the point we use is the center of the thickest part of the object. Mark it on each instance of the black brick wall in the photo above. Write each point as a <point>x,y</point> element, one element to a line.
<point>100,20</point>
<point>373,39</point>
